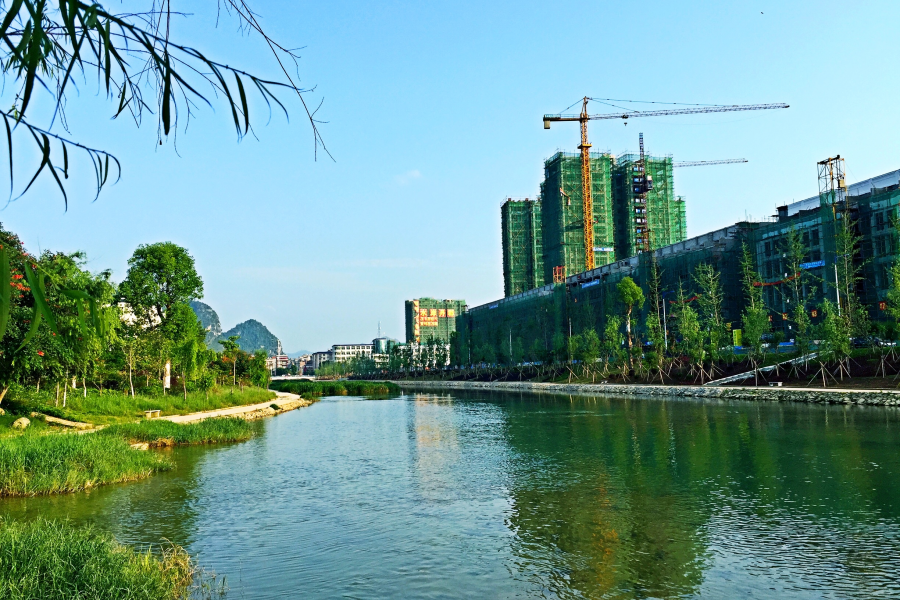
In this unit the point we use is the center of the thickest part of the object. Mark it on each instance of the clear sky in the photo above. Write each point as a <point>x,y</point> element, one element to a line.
<point>434,117</point>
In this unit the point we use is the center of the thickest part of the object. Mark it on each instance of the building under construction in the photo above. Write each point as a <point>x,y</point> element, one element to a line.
<point>562,214</point>
<point>531,325</point>
<point>430,319</point>
<point>523,261</point>
<point>646,213</point>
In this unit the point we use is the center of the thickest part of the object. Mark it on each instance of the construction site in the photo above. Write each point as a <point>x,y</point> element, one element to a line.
<point>527,326</point>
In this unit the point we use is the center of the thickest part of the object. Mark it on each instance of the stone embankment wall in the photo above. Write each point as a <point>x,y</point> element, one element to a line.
<point>767,394</point>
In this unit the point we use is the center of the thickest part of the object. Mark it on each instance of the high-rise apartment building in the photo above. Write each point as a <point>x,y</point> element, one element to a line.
<point>646,212</point>
<point>428,318</point>
<point>523,261</point>
<point>562,213</point>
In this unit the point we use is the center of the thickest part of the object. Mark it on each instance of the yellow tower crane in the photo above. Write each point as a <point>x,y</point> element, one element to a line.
<point>586,184</point>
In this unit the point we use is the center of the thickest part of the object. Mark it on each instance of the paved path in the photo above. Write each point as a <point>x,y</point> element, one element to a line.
<point>282,398</point>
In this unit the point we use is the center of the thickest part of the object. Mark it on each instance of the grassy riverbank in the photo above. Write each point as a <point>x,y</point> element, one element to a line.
<point>165,433</point>
<point>32,464</point>
<point>114,407</point>
<point>51,560</point>
<point>336,388</point>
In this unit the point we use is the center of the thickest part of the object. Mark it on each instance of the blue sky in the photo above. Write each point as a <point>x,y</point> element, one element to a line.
<point>434,117</point>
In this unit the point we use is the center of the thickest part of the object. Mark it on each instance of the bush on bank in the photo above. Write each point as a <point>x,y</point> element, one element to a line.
<point>336,388</point>
<point>50,560</point>
<point>33,464</point>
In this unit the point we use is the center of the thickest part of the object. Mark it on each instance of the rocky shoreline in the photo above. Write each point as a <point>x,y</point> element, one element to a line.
<point>765,394</point>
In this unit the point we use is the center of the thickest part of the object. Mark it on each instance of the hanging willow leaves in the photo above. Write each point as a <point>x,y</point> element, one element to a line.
<point>36,282</point>
<point>6,283</point>
<point>45,47</point>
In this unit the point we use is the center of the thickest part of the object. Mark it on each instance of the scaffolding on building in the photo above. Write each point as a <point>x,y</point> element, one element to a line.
<point>562,215</point>
<point>523,264</point>
<point>662,214</point>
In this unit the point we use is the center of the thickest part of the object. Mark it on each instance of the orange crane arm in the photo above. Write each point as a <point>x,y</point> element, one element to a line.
<point>662,113</point>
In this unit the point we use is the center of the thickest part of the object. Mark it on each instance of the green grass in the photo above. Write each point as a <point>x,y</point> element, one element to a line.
<point>115,407</point>
<point>7,420</point>
<point>32,464</point>
<point>337,388</point>
<point>210,431</point>
<point>50,560</point>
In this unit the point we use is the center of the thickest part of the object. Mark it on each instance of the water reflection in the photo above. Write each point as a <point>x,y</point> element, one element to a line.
<point>502,496</point>
<point>627,498</point>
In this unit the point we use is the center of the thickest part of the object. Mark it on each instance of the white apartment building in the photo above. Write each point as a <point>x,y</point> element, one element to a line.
<point>345,352</point>
<point>317,359</point>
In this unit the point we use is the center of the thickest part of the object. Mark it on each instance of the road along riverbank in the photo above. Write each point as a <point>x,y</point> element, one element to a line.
<point>765,394</point>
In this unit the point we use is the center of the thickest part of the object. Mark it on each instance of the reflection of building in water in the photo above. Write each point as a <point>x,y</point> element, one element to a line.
<point>435,445</point>
<point>595,503</point>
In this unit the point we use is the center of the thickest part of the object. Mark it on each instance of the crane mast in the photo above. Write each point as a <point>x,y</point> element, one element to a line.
<point>587,189</point>
<point>643,236</point>
<point>641,183</point>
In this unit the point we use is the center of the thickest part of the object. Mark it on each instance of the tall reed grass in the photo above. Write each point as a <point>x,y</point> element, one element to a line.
<point>33,464</point>
<point>209,431</point>
<point>337,388</point>
<point>52,560</point>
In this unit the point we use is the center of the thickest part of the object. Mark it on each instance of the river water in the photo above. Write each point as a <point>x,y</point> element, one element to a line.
<point>518,495</point>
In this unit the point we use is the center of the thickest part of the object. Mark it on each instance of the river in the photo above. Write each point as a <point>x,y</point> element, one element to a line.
<point>518,495</point>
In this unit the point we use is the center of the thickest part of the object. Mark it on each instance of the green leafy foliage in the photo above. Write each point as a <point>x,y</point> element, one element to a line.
<point>140,69</point>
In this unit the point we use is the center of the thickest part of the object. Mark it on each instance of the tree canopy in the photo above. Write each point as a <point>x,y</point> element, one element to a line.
<point>160,276</point>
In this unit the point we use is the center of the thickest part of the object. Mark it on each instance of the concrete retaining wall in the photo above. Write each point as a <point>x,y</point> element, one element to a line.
<point>773,394</point>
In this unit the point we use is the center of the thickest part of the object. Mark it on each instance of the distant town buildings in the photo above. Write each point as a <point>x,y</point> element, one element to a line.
<point>278,361</point>
<point>317,359</point>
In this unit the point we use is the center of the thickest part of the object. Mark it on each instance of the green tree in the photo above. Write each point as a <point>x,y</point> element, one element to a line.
<point>160,276</point>
<point>612,342</point>
<point>259,373</point>
<point>587,351</point>
<point>850,275</point>
<point>231,351</point>
<point>709,308</point>
<point>835,340</point>
<point>797,285</point>
<point>690,334</point>
<point>632,297</point>
<point>755,318</point>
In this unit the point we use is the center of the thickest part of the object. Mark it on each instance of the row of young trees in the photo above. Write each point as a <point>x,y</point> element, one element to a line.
<point>65,326</point>
<point>685,334</point>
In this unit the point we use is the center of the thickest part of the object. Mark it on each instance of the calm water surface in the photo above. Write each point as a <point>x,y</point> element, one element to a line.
<point>503,496</point>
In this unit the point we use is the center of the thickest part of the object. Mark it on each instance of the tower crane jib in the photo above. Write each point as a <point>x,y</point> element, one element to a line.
<point>586,183</point>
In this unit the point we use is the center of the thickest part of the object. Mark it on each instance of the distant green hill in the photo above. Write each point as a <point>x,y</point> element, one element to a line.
<point>210,321</point>
<point>254,335</point>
